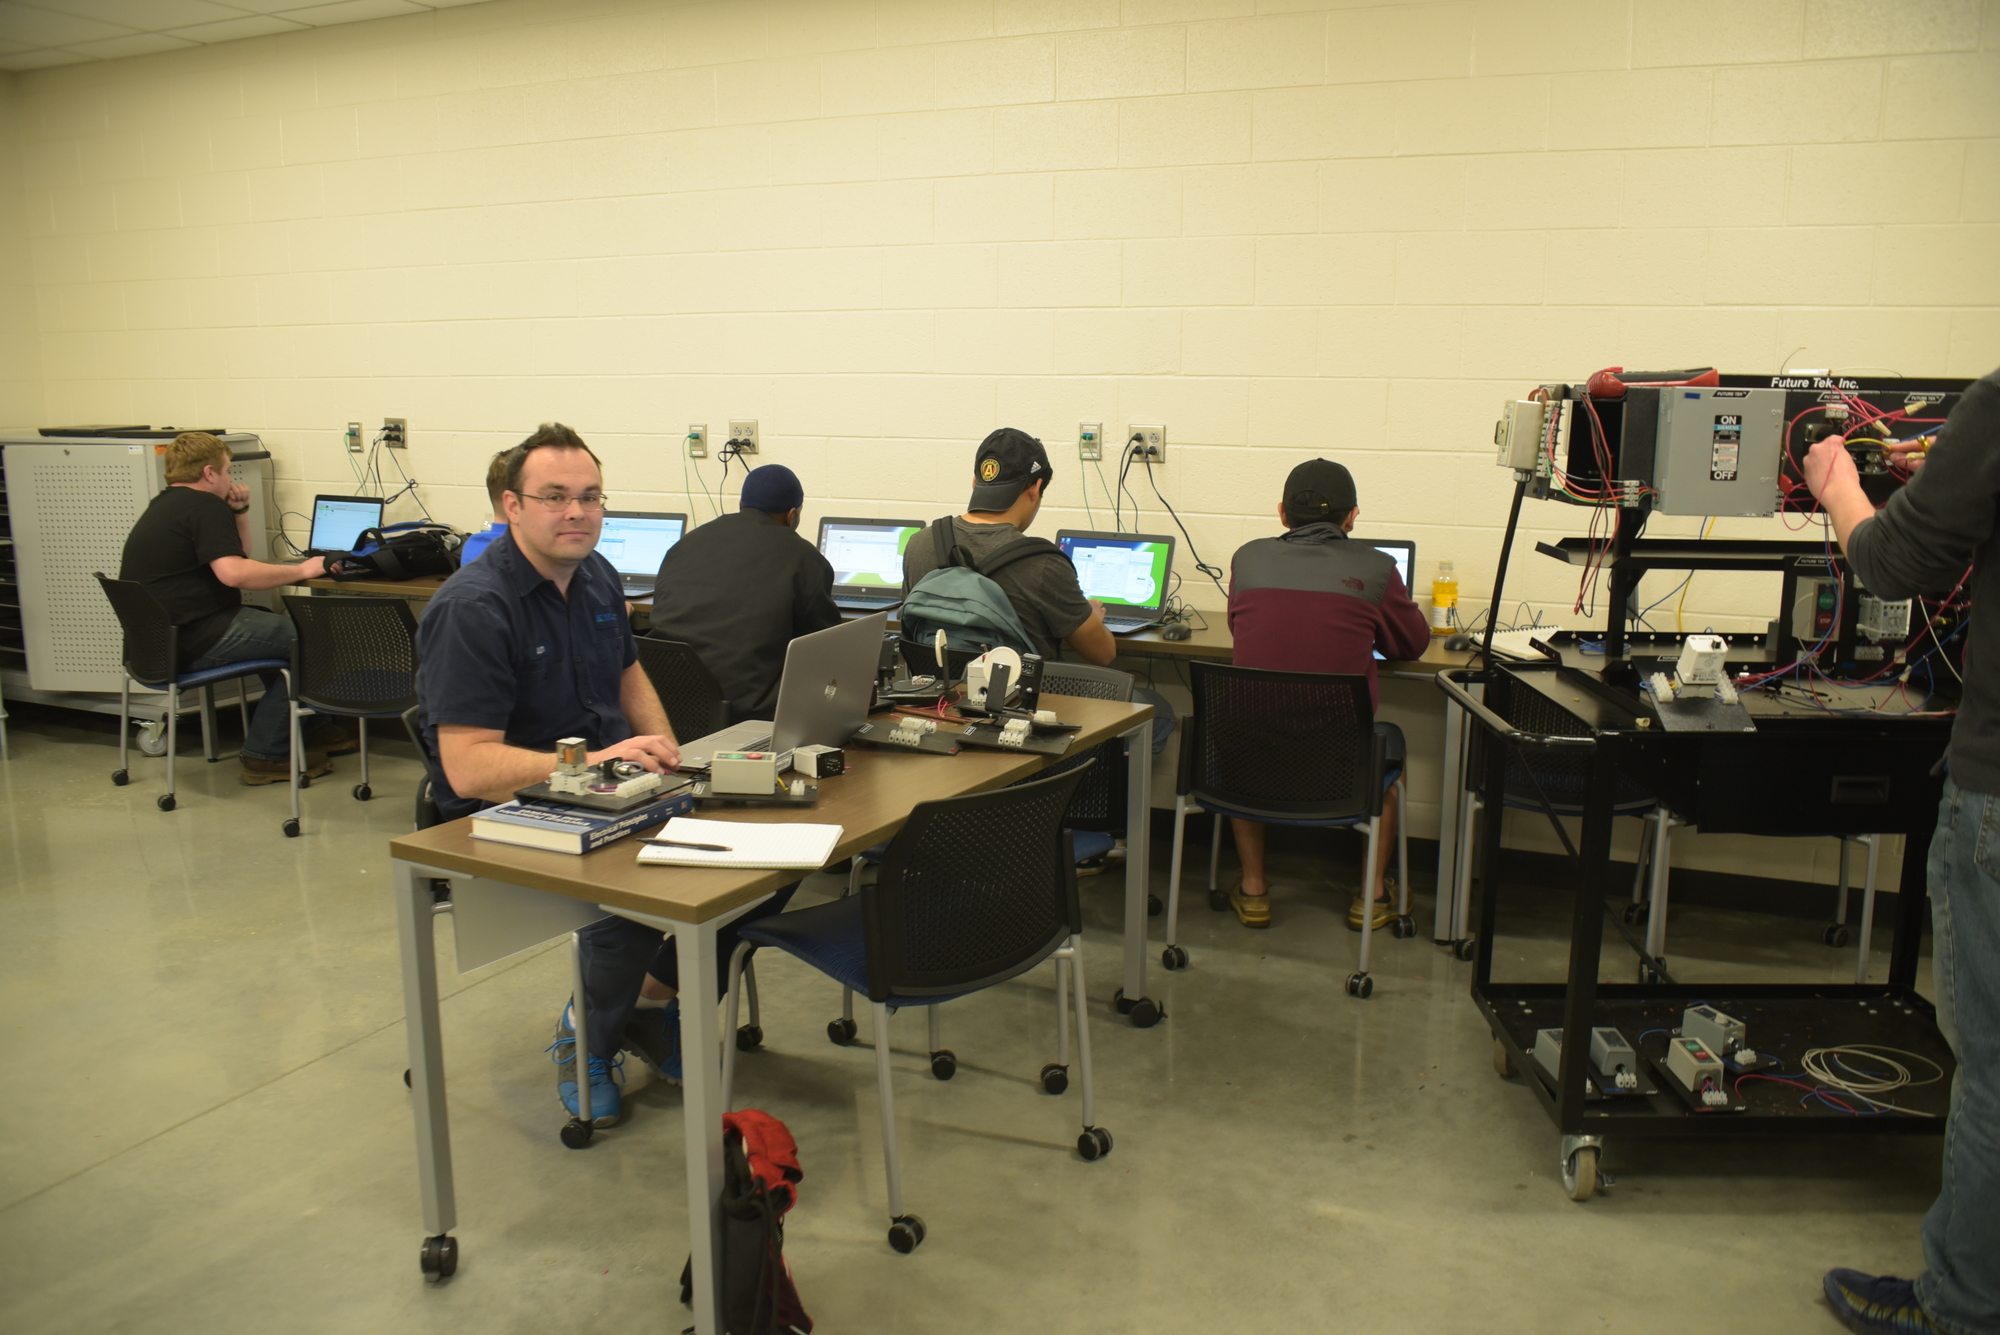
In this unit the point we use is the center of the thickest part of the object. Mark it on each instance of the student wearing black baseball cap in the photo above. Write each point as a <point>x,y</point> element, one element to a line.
<point>1010,475</point>
<point>1309,600</point>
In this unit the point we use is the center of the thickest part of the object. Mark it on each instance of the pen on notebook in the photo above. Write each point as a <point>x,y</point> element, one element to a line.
<point>682,843</point>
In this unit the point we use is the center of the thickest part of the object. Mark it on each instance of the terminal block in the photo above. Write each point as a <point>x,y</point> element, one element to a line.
<point>1617,1064</point>
<point>1694,1064</point>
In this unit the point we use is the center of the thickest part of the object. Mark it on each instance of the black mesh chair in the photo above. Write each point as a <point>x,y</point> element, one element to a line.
<point>356,657</point>
<point>690,693</point>
<point>152,648</point>
<point>1286,748</point>
<point>974,891</point>
<point>1097,812</point>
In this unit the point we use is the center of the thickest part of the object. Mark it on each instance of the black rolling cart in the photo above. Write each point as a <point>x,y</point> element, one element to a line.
<point>1799,771</point>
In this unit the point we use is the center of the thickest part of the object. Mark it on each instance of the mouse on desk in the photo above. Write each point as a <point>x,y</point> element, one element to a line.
<point>1178,630</point>
<point>1458,644</point>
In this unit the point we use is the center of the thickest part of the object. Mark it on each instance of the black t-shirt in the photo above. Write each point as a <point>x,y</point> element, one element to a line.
<point>169,551</point>
<point>738,590</point>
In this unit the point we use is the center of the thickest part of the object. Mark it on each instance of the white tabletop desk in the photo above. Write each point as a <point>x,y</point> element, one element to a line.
<point>507,899</point>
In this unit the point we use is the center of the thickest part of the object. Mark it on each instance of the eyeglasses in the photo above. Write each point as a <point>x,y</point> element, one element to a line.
<point>558,502</point>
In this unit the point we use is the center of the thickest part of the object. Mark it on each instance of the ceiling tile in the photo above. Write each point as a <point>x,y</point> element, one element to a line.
<point>35,60</point>
<point>137,44</point>
<point>145,15</point>
<point>353,11</point>
<point>42,27</point>
<point>250,25</point>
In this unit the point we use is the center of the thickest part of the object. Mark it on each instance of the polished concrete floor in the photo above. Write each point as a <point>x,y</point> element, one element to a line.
<point>202,1024</point>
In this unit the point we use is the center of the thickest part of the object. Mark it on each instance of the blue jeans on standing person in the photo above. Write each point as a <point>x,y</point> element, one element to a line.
<point>256,633</point>
<point>1960,1286</point>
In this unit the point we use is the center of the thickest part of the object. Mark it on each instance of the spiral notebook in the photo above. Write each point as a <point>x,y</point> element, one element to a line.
<point>777,844</point>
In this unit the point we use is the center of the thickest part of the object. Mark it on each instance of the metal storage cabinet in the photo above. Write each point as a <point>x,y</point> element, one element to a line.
<point>70,501</point>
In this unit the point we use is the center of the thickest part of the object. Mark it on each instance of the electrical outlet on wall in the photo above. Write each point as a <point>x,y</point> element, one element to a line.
<point>697,440</point>
<point>1090,441</point>
<point>396,432</point>
<point>1147,442</point>
<point>353,437</point>
<point>743,435</point>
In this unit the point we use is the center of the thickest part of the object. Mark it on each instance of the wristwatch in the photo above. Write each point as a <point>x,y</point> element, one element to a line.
<point>239,509</point>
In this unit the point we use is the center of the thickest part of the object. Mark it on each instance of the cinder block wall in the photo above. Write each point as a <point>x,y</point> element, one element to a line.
<point>881,227</point>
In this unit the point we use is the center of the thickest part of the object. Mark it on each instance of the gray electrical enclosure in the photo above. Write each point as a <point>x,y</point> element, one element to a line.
<point>1717,451</point>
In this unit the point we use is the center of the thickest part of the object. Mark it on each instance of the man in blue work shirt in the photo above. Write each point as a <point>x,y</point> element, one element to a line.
<point>530,644</point>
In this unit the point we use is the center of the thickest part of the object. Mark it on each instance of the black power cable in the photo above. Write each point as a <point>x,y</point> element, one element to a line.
<point>1213,572</point>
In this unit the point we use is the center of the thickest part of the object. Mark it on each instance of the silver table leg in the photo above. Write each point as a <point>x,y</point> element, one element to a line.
<point>1447,924</point>
<point>1131,999</point>
<point>427,1105</point>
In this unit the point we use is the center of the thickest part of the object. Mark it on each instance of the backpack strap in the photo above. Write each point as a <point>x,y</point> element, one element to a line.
<point>944,541</point>
<point>1017,550</point>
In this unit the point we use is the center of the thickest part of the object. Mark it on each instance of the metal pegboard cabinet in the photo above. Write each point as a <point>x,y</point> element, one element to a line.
<point>71,503</point>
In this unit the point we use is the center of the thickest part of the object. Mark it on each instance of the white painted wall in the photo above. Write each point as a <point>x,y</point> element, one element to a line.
<point>882,227</point>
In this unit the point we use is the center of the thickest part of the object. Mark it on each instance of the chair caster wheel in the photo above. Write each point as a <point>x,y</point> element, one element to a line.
<point>439,1258</point>
<point>1360,985</point>
<point>1835,934</point>
<point>841,1031</point>
<point>1630,913</point>
<point>165,801</point>
<point>1173,958</point>
<point>944,1063</point>
<point>1055,1079</point>
<point>1218,901</point>
<point>1094,1143</point>
<point>1143,1012</point>
<point>1464,950</point>
<point>576,1133</point>
<point>1580,1173</point>
<point>120,778</point>
<point>291,828</point>
<point>1155,906</point>
<point>1649,974</point>
<point>749,1038</point>
<point>362,792</point>
<point>1403,928</point>
<point>906,1233</point>
<point>305,781</point>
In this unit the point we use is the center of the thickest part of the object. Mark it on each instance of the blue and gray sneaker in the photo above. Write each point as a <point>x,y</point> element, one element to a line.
<point>654,1036</point>
<point>605,1076</point>
<point>1875,1304</point>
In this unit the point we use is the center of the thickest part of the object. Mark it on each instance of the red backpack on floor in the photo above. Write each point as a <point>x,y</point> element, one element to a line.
<point>760,1172</point>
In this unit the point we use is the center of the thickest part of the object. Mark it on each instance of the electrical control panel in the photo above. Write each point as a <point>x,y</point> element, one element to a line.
<point>1724,1034</point>
<point>1695,1065</point>
<point>1617,1064</point>
<point>1828,619</point>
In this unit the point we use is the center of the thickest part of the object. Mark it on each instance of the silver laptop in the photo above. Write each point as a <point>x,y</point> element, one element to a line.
<point>1404,553</point>
<point>1129,573</point>
<point>823,697</point>
<point>635,542</point>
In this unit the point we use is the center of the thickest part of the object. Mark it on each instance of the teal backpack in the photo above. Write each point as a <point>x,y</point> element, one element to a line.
<point>961,599</point>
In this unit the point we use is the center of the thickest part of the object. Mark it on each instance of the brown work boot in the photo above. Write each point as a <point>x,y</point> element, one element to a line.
<point>335,736</point>
<point>258,771</point>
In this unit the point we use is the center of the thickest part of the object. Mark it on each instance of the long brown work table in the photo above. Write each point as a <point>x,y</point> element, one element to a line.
<point>507,899</point>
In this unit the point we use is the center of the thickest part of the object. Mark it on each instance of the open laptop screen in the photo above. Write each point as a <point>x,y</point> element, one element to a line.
<point>636,541</point>
<point>867,554</point>
<point>1404,554</point>
<point>1120,569</point>
<point>338,521</point>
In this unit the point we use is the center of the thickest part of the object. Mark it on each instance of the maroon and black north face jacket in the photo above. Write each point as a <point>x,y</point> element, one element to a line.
<point>1310,600</point>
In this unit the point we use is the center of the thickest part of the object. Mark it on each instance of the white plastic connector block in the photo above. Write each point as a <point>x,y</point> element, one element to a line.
<point>1700,663</point>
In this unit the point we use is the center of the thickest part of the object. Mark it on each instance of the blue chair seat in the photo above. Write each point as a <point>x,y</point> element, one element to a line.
<point>226,672</point>
<point>833,939</point>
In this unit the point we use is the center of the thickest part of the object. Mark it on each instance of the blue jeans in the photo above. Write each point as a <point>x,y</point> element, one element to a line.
<point>256,633</point>
<point>618,954</point>
<point>1163,716</point>
<point>1960,1286</point>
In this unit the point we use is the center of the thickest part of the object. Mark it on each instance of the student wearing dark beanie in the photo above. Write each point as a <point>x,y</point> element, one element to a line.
<point>740,588</point>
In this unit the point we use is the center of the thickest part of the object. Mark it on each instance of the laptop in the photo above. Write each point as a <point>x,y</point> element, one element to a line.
<point>823,698</point>
<point>339,521</point>
<point>1404,554</point>
<point>867,560</point>
<point>1127,572</point>
<point>635,542</point>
